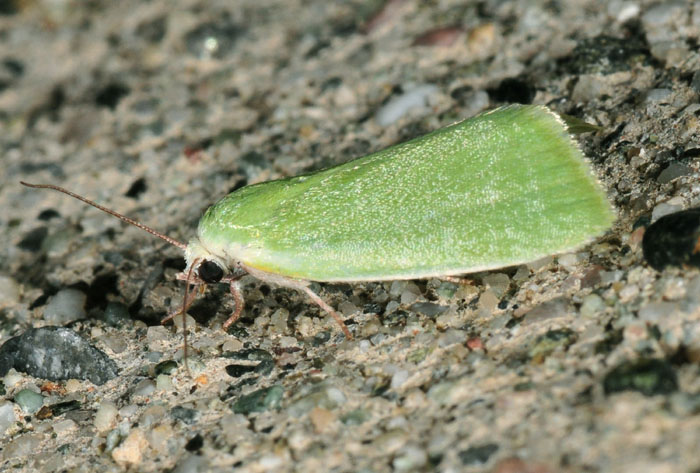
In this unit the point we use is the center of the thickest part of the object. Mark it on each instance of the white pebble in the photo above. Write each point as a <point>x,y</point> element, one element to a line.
<point>106,415</point>
<point>568,261</point>
<point>592,304</point>
<point>665,208</point>
<point>66,306</point>
<point>399,378</point>
<point>7,415</point>
<point>9,291</point>
<point>498,283</point>
<point>416,98</point>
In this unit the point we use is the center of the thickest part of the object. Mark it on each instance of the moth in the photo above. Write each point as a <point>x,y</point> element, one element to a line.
<point>503,188</point>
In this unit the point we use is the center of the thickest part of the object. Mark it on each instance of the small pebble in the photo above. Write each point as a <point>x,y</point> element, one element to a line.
<point>666,208</point>
<point>259,401</point>
<point>328,397</point>
<point>536,265</point>
<point>29,401</point>
<point>164,382</point>
<point>279,320</point>
<point>130,451</point>
<point>184,414</point>
<point>568,261</point>
<point>159,436</point>
<point>118,344</point>
<point>192,464</point>
<point>56,353</point>
<point>478,455</point>
<point>7,415</point>
<point>73,385</point>
<point>9,291</point>
<point>66,306</point>
<point>399,378</point>
<point>410,295</point>
<point>498,283</point>
<point>12,378</point>
<point>673,171</point>
<point>592,305</point>
<point>63,427</point>
<point>444,37</point>
<point>152,416</point>
<point>418,97</point>
<point>410,458</point>
<point>321,418</point>
<point>116,314</point>
<point>237,345</point>
<point>112,440</point>
<point>106,416</point>
<point>653,312</point>
<point>658,95</point>
<point>429,308</point>
<point>145,387</point>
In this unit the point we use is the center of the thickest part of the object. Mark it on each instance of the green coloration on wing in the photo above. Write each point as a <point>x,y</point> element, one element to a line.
<point>503,188</point>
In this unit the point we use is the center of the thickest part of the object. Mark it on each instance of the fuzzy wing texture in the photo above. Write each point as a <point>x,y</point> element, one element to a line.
<point>503,188</point>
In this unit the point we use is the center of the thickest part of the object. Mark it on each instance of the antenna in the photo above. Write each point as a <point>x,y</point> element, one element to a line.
<point>121,217</point>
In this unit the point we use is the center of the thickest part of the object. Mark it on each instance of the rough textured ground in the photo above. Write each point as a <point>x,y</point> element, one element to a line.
<point>582,362</point>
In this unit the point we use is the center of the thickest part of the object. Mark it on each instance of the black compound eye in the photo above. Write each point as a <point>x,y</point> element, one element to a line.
<point>210,272</point>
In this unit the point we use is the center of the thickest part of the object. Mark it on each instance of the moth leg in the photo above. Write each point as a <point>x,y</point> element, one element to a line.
<point>322,304</point>
<point>235,286</point>
<point>187,304</point>
<point>457,280</point>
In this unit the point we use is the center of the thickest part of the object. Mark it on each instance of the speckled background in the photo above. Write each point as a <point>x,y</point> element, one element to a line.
<point>582,362</point>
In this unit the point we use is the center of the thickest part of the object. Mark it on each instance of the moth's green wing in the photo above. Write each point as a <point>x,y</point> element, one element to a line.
<point>503,188</point>
<point>576,125</point>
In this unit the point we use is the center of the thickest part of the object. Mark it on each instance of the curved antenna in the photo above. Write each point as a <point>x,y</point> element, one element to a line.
<point>121,217</point>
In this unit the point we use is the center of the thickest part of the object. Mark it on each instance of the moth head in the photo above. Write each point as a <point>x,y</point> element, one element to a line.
<point>207,266</point>
<point>210,272</point>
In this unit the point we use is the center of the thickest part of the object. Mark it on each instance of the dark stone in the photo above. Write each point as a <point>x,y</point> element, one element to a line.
<point>195,443</point>
<point>137,188</point>
<point>259,401</point>
<point>429,308</point>
<point>110,95</point>
<point>513,90</point>
<point>57,409</point>
<point>397,317</point>
<point>48,214</point>
<point>478,455</point>
<point>237,371</point>
<point>612,339</point>
<point>673,240</point>
<point>165,367</point>
<point>648,376</point>
<point>184,414</point>
<point>321,338</point>
<point>265,367</point>
<point>56,353</point>
<point>115,314</point>
<point>250,354</point>
<point>33,240</point>
<point>153,30</point>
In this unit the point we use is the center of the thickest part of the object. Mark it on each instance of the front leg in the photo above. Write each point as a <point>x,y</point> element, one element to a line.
<point>186,303</point>
<point>235,286</point>
<point>322,304</point>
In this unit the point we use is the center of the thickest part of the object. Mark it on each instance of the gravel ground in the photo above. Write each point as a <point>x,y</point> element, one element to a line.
<point>580,362</point>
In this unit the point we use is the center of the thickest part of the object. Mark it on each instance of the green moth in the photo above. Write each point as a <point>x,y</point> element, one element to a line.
<point>503,188</point>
